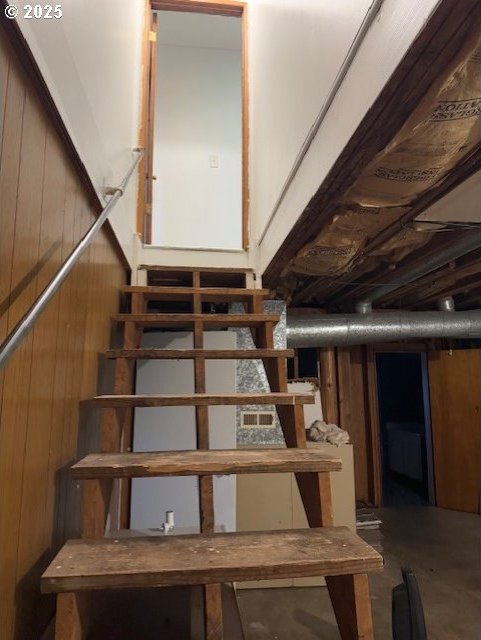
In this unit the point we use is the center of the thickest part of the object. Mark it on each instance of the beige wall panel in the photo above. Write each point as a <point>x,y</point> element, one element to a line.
<point>268,501</point>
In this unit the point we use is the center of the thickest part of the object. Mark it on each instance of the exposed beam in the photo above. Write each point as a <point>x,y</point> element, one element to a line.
<point>471,299</point>
<point>441,285</point>
<point>460,288</point>
<point>434,48</point>
<point>321,288</point>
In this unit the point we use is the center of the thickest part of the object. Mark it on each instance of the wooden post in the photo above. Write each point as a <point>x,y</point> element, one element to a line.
<point>349,594</point>
<point>212,592</point>
<point>96,498</point>
<point>72,616</point>
<point>328,380</point>
<point>314,488</point>
<point>116,426</point>
<point>352,606</point>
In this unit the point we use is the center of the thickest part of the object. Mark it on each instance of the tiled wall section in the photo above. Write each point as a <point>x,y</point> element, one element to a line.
<point>251,377</point>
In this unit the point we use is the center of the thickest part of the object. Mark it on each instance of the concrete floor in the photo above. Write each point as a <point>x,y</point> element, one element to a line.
<point>443,547</point>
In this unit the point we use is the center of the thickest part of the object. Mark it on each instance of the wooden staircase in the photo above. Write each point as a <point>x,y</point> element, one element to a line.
<point>185,298</point>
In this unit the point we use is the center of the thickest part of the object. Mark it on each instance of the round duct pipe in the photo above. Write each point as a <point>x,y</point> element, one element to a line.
<point>367,328</point>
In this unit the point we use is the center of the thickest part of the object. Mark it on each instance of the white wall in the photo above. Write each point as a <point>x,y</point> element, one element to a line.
<point>173,428</point>
<point>296,50</point>
<point>91,61</point>
<point>198,115</point>
<point>459,205</point>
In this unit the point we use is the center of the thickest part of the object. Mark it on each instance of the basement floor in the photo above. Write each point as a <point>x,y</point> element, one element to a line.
<point>443,547</point>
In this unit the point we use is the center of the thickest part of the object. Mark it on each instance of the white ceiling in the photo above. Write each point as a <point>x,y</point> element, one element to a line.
<point>462,204</point>
<point>198,30</point>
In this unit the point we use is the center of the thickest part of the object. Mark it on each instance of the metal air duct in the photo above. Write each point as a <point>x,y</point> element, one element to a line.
<point>365,328</point>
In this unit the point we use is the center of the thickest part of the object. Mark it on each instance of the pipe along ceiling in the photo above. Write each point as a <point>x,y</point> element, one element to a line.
<point>367,327</point>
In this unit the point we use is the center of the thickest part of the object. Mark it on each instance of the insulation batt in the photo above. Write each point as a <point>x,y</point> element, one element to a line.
<point>443,128</point>
<point>320,431</point>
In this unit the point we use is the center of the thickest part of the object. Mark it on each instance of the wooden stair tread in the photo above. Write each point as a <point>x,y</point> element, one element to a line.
<point>157,267</point>
<point>210,354</point>
<point>189,319</point>
<point>207,294</point>
<point>202,399</point>
<point>198,462</point>
<point>207,559</point>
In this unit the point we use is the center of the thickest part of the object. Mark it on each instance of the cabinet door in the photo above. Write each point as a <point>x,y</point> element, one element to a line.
<point>455,389</point>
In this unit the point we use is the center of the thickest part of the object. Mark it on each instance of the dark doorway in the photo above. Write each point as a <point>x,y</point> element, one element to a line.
<point>405,432</point>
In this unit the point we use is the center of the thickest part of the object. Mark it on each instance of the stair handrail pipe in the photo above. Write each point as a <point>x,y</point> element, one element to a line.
<point>26,323</point>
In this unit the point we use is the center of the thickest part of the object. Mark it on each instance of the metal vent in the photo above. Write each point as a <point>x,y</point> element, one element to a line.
<point>251,419</point>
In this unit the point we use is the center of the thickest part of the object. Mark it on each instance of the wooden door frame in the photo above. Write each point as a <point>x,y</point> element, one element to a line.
<point>373,424</point>
<point>229,8</point>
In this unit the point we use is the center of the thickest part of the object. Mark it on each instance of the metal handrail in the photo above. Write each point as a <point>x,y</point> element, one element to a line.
<point>24,325</point>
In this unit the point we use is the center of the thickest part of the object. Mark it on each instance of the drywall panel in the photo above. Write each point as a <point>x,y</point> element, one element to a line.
<point>296,49</point>
<point>199,30</point>
<point>148,254</point>
<point>91,61</point>
<point>197,196</point>
<point>173,428</point>
<point>278,505</point>
<point>306,42</point>
<point>459,205</point>
<point>312,412</point>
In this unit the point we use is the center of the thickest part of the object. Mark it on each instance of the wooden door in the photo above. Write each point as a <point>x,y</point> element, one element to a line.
<point>455,384</point>
<point>149,176</point>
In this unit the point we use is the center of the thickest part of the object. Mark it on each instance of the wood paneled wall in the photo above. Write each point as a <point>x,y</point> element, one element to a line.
<point>455,394</point>
<point>354,412</point>
<point>454,383</point>
<point>44,210</point>
<point>345,401</point>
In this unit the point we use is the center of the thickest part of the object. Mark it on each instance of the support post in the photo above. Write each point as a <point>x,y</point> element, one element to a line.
<point>212,593</point>
<point>72,616</point>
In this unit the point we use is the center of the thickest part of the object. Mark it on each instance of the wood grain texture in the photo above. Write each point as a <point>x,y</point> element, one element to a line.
<point>96,496</point>
<point>454,384</point>
<point>373,429</point>
<point>245,129</point>
<point>44,209</point>
<point>212,594</point>
<point>224,8</point>
<point>352,606</point>
<point>352,412</point>
<point>201,399</point>
<point>222,320</point>
<point>207,354</point>
<point>200,270</point>
<point>72,616</point>
<point>328,380</point>
<point>205,559</point>
<point>206,294</point>
<point>210,462</point>
<point>144,111</point>
<point>152,86</point>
